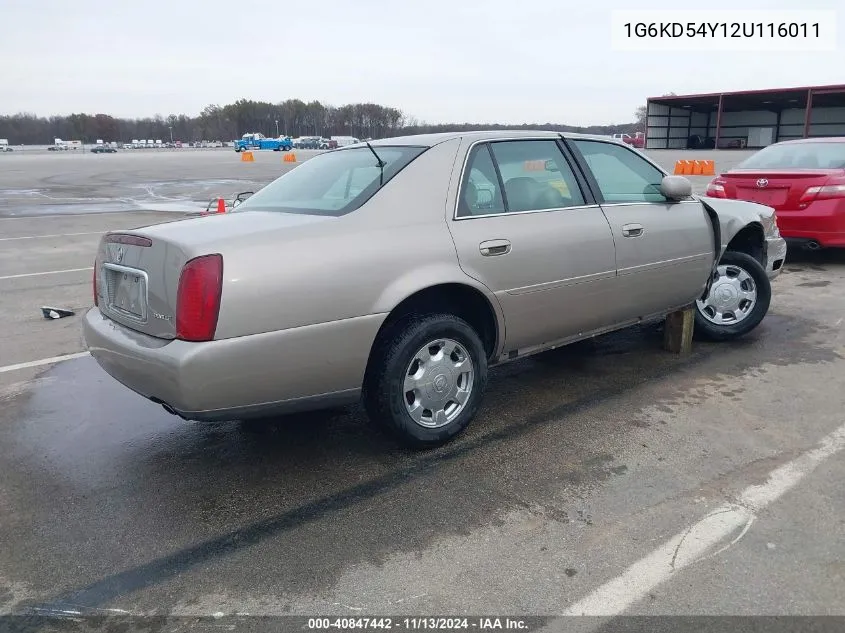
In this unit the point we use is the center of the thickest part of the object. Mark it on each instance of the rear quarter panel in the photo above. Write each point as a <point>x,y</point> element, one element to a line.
<point>359,264</point>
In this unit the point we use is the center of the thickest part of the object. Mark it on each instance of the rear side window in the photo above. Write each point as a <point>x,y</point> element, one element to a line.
<point>480,192</point>
<point>332,184</point>
<point>536,176</point>
<point>622,174</point>
<point>513,176</point>
<point>797,156</point>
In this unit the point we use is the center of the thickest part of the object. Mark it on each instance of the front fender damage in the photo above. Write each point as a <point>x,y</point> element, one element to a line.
<point>728,218</point>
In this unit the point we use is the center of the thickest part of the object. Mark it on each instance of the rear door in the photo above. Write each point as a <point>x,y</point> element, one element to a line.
<point>526,227</point>
<point>664,250</point>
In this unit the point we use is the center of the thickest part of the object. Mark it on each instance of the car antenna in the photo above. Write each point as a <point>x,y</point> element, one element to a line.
<point>381,165</point>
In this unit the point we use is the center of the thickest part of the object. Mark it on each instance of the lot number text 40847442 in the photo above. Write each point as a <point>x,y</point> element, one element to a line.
<point>418,624</point>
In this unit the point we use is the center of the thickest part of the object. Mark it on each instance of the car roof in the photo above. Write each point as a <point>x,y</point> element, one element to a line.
<point>818,139</point>
<point>430,140</point>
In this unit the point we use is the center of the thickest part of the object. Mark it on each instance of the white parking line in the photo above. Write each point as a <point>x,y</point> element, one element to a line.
<point>48,272</point>
<point>690,546</point>
<point>43,361</point>
<point>39,237</point>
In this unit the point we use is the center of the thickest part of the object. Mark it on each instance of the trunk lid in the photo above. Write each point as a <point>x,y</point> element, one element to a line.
<point>781,189</point>
<point>137,271</point>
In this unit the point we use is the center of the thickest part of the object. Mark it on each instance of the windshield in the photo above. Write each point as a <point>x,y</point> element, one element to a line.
<point>798,156</point>
<point>332,184</point>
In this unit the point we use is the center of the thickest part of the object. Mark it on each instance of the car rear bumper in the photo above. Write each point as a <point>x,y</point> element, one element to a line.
<point>303,368</point>
<point>813,239</point>
<point>821,223</point>
<point>775,256</point>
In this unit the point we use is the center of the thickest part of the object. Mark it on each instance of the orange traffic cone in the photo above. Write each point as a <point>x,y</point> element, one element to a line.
<point>221,205</point>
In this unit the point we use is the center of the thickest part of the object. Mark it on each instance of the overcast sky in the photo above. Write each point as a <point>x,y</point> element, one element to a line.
<point>508,61</point>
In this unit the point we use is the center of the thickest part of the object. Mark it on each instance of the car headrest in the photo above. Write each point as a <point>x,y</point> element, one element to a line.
<point>520,192</point>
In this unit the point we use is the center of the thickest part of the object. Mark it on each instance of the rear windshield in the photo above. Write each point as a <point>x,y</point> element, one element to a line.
<point>798,156</point>
<point>332,184</point>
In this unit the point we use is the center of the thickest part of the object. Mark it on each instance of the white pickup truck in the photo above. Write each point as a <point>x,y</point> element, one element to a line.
<point>634,140</point>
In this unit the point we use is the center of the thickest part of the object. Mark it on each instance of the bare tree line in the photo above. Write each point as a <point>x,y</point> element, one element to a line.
<point>292,117</point>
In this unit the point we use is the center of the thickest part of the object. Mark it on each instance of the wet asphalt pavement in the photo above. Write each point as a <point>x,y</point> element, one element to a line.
<point>581,462</point>
<point>38,182</point>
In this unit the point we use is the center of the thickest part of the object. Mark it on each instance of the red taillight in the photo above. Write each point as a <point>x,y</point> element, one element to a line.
<point>198,298</point>
<point>823,192</point>
<point>716,189</point>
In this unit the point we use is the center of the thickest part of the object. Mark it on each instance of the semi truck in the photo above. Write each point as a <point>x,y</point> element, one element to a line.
<point>256,140</point>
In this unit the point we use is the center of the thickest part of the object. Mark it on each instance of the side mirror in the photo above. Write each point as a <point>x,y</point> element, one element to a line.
<point>243,195</point>
<point>675,187</point>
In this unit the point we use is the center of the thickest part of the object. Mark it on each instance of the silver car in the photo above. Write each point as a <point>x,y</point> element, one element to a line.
<point>400,271</point>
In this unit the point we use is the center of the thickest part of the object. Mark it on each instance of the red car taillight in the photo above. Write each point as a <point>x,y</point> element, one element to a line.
<point>823,192</point>
<point>716,189</point>
<point>198,298</point>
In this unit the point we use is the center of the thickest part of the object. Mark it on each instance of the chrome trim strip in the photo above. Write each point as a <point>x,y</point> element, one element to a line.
<point>630,204</point>
<point>507,214</point>
<point>560,283</point>
<point>666,263</point>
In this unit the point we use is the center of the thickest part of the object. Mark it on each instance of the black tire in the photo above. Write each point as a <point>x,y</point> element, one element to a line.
<point>383,394</point>
<point>715,332</point>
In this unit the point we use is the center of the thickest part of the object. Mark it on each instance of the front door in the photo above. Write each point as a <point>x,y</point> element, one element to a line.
<point>526,228</point>
<point>664,249</point>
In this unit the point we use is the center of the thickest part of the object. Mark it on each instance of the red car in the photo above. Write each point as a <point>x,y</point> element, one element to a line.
<point>803,180</point>
<point>638,140</point>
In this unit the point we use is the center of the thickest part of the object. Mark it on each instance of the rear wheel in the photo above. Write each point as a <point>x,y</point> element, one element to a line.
<point>738,300</point>
<point>426,379</point>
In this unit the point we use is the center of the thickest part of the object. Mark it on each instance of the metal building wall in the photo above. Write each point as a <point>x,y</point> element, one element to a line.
<point>670,127</point>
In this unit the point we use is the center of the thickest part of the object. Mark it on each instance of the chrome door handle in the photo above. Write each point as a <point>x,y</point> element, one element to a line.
<point>494,247</point>
<point>632,230</point>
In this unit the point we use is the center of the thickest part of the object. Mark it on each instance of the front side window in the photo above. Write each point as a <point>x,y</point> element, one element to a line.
<point>622,174</point>
<point>332,184</point>
<point>536,176</point>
